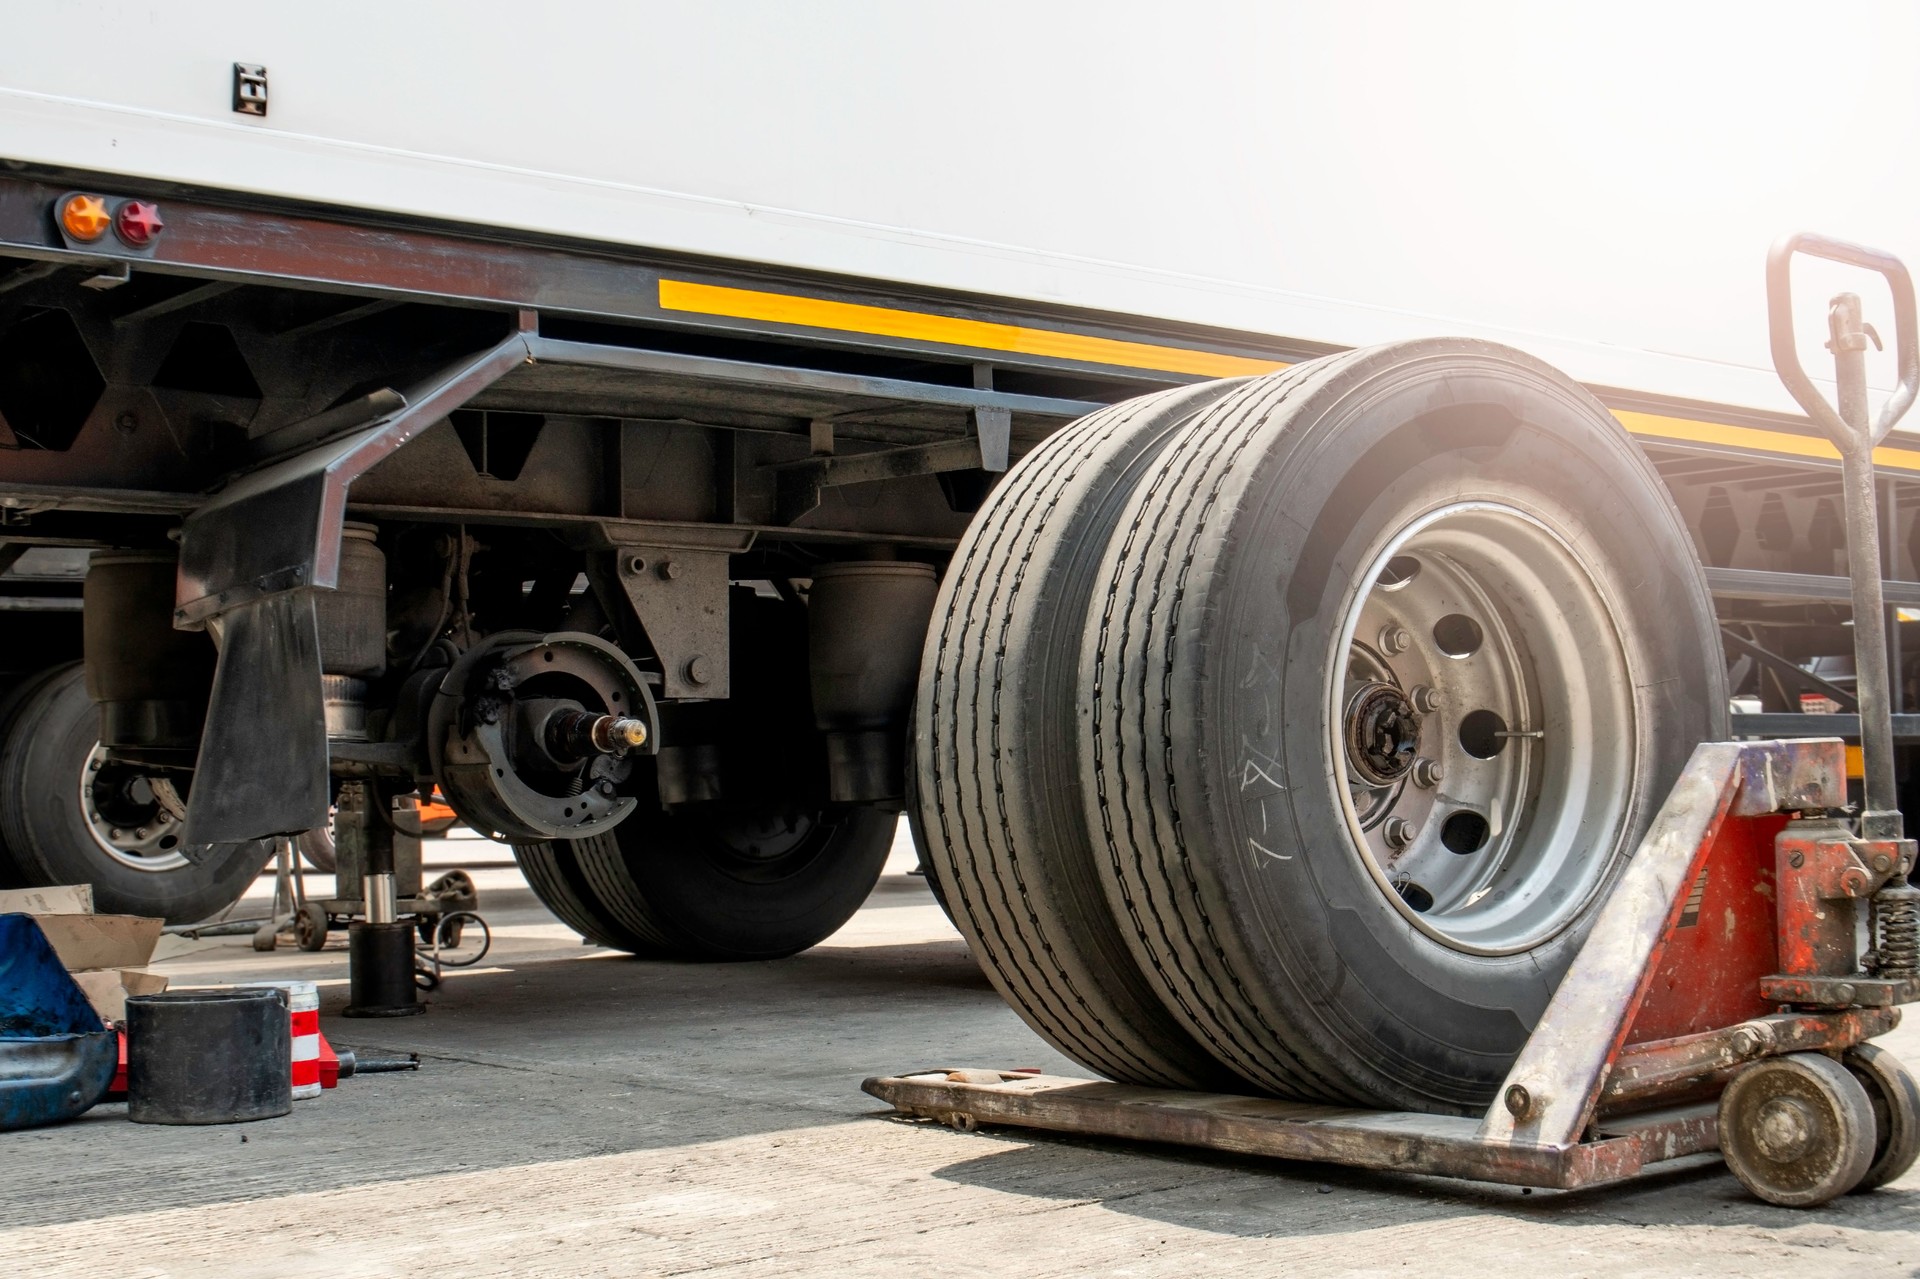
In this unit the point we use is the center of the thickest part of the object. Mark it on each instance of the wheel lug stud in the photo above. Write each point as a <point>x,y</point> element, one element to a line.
<point>1398,832</point>
<point>1394,638</point>
<point>1427,773</point>
<point>1425,698</point>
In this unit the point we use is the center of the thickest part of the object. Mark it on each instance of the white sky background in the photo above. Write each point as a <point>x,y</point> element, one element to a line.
<point>1594,181</point>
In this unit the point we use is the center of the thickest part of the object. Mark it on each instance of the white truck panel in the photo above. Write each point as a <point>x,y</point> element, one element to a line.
<point>1595,184</point>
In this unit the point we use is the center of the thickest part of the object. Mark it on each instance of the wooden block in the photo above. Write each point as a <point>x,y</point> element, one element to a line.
<point>66,899</point>
<point>107,988</point>
<point>101,941</point>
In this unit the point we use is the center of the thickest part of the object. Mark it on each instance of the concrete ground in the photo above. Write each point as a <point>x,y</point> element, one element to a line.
<point>580,1113</point>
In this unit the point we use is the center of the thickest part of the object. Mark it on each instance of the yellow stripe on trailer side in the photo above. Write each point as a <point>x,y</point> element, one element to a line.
<point>1749,437</point>
<point>919,326</point>
<point>986,335</point>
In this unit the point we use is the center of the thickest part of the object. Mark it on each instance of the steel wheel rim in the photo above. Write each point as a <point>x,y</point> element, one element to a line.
<point>138,833</point>
<point>1529,719</point>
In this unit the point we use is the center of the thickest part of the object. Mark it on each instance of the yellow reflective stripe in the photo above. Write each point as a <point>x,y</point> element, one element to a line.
<point>918,326</point>
<point>1748,437</point>
<point>986,335</point>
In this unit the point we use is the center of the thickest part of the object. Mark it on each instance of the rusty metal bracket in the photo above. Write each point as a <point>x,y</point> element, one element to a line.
<point>1856,991</point>
<point>1822,877</point>
<point>678,590</point>
<point>279,528</point>
<point>1667,1069</point>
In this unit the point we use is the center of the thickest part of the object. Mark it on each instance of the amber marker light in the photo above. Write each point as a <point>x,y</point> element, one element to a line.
<point>138,223</point>
<point>85,217</point>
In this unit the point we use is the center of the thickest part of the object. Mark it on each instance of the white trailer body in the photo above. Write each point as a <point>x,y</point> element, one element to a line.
<point>1595,185</point>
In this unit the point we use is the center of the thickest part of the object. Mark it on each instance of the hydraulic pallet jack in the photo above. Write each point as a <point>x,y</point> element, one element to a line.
<point>1726,997</point>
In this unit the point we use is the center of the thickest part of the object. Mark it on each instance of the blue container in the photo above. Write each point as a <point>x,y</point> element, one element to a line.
<point>56,1056</point>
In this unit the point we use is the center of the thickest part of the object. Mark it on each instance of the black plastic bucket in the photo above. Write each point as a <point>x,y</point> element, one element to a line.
<point>208,1057</point>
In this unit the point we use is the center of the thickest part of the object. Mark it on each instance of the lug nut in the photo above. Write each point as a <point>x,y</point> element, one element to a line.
<point>1398,832</point>
<point>1427,773</point>
<point>1425,698</point>
<point>1394,638</point>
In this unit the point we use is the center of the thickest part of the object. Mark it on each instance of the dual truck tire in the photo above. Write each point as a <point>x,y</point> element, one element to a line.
<point>1283,736</point>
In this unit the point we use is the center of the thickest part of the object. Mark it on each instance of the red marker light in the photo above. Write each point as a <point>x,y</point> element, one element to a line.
<point>84,217</point>
<point>138,223</point>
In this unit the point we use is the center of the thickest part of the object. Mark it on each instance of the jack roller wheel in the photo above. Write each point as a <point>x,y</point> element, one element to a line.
<point>1797,1130</point>
<point>1894,1094</point>
<point>310,927</point>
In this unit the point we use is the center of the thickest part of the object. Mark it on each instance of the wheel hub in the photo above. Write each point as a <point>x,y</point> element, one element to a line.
<point>134,818</point>
<point>1383,734</point>
<point>1784,1129</point>
<point>1481,726</point>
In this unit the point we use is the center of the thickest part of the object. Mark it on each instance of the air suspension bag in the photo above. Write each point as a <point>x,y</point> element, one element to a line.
<point>866,624</point>
<point>150,680</point>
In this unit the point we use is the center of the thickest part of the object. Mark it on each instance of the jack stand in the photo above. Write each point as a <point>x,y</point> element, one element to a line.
<point>380,948</point>
<point>289,895</point>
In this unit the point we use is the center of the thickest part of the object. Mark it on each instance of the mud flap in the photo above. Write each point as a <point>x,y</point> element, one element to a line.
<point>262,769</point>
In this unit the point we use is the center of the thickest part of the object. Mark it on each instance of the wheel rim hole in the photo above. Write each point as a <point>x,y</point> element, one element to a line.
<point>1464,832</point>
<point>168,841</point>
<point>1481,734</point>
<point>1418,899</point>
<point>1400,570</point>
<point>1458,635</point>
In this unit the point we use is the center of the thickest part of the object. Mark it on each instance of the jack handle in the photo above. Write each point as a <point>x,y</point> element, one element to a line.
<point>1846,436</point>
<point>1846,423</point>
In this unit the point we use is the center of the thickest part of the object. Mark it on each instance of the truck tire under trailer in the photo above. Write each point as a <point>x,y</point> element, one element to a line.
<point>1283,736</point>
<point>70,815</point>
<point>767,867</point>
